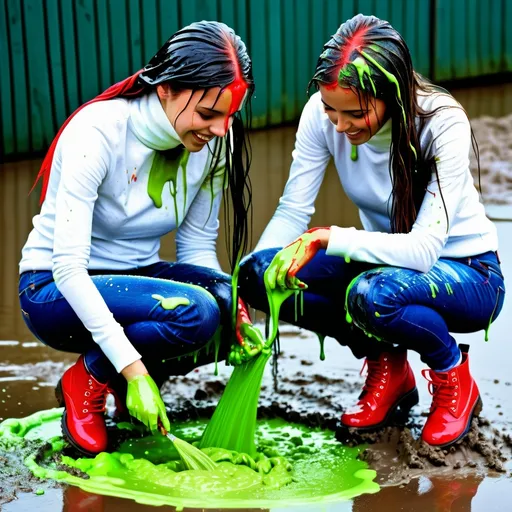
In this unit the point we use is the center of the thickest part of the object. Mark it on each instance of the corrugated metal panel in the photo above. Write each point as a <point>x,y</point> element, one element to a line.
<point>57,54</point>
<point>472,38</point>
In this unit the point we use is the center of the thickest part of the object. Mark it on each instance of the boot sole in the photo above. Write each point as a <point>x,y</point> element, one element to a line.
<point>405,403</point>
<point>477,409</point>
<point>59,395</point>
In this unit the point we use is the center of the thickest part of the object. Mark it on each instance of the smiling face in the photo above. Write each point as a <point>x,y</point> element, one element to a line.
<point>355,118</point>
<point>197,116</point>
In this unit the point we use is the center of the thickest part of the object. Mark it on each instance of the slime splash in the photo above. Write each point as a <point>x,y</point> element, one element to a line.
<point>145,469</point>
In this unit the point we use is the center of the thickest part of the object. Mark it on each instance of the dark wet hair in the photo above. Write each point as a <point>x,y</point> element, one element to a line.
<point>202,55</point>
<point>368,55</point>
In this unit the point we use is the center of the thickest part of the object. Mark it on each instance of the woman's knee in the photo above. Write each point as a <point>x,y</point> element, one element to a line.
<point>373,299</point>
<point>206,318</point>
<point>191,319</point>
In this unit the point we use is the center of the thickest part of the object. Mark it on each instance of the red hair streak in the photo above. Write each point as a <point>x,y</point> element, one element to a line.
<point>238,90</point>
<point>125,88</point>
<point>238,86</point>
<point>352,43</point>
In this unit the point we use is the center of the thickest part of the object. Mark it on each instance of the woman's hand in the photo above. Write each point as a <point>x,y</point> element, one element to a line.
<point>250,340</point>
<point>287,262</point>
<point>143,399</point>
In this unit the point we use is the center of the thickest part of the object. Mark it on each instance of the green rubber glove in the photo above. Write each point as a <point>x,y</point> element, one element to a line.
<point>144,402</point>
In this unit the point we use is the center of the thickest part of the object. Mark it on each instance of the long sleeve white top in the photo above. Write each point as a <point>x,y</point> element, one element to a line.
<point>461,230</point>
<point>102,213</point>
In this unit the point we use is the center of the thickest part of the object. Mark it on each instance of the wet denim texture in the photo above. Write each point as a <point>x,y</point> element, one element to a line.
<point>157,333</point>
<point>403,307</point>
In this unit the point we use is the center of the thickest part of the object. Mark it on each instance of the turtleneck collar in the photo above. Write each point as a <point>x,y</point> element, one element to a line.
<point>150,124</point>
<point>381,141</point>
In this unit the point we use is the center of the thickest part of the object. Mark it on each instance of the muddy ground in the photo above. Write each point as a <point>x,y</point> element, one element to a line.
<point>304,389</point>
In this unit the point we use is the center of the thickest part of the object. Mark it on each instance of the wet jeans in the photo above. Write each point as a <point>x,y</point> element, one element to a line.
<point>388,305</point>
<point>160,335</point>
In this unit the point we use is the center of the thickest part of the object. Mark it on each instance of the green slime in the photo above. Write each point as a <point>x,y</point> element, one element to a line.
<point>233,424</point>
<point>148,470</point>
<point>164,168</point>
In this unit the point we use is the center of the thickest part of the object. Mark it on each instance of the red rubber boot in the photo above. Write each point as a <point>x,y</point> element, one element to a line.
<point>456,400</point>
<point>389,387</point>
<point>83,397</point>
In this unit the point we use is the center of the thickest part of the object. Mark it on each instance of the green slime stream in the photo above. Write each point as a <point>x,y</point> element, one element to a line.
<point>148,469</point>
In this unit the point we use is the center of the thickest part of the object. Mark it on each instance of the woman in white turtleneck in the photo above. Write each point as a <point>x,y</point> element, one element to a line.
<point>150,155</point>
<point>424,264</point>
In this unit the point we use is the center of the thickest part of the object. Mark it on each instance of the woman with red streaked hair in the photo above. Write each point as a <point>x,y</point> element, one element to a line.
<point>151,155</point>
<point>424,264</point>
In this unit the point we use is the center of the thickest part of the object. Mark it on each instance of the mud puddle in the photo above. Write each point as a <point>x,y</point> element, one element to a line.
<point>475,475</point>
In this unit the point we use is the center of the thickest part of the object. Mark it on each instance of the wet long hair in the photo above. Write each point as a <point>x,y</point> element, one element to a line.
<point>370,57</point>
<point>203,55</point>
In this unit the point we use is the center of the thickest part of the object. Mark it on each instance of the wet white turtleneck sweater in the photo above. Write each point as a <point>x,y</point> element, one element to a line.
<point>462,230</point>
<point>99,213</point>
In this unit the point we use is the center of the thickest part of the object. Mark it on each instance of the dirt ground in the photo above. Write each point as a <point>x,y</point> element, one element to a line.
<point>303,389</point>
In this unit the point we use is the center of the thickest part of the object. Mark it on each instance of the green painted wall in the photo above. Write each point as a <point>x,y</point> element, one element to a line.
<point>57,54</point>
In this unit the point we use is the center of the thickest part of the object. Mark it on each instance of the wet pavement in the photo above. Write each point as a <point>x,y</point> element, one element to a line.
<point>314,388</point>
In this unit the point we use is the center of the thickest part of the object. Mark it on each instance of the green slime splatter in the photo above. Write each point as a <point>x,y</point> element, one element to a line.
<point>171,302</point>
<point>358,63</point>
<point>434,290</point>
<point>164,168</point>
<point>148,469</point>
<point>321,339</point>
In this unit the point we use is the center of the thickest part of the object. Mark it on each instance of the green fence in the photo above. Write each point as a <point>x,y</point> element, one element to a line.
<point>57,54</point>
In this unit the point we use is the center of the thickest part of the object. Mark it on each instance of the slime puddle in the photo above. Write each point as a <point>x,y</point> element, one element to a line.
<point>292,464</point>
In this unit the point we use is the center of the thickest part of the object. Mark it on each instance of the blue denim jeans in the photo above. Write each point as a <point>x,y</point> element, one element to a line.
<point>398,306</point>
<point>159,335</point>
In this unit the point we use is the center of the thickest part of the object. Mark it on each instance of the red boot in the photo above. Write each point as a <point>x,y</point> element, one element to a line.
<point>83,397</point>
<point>389,386</point>
<point>455,401</point>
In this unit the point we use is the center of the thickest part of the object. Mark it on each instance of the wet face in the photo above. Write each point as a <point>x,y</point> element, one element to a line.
<point>352,116</point>
<point>197,116</point>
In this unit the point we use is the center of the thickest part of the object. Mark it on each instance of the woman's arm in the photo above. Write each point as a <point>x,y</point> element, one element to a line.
<point>84,156</point>
<point>421,248</point>
<point>196,237</point>
<point>296,206</point>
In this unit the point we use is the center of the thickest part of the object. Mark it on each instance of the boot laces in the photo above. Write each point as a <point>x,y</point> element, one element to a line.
<point>376,376</point>
<point>444,388</point>
<point>95,396</point>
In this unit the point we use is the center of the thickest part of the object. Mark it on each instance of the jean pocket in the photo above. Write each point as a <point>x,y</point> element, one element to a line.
<point>492,272</point>
<point>32,281</point>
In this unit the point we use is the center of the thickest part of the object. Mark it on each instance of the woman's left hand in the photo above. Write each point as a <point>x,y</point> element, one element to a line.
<point>288,261</point>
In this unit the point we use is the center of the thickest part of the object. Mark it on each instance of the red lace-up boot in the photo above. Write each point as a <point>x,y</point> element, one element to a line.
<point>389,387</point>
<point>455,401</point>
<point>83,397</point>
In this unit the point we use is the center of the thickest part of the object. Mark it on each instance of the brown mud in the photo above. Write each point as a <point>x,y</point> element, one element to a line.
<point>302,389</point>
<point>495,146</point>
